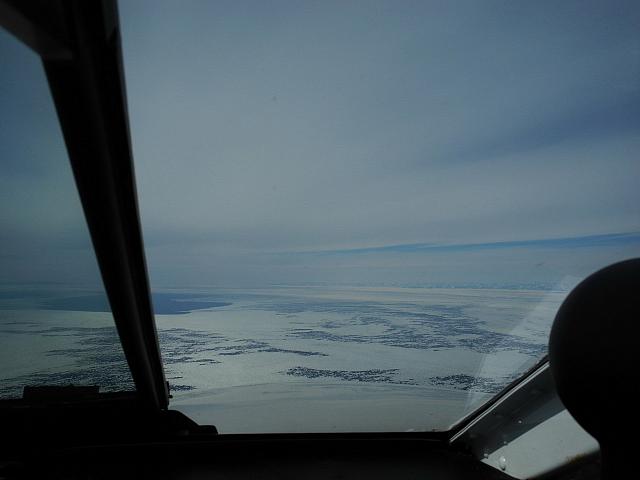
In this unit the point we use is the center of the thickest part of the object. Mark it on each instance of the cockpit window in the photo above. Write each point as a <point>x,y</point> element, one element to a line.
<point>56,328</point>
<point>364,215</point>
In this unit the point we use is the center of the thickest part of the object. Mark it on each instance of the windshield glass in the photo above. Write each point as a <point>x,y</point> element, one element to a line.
<point>364,215</point>
<point>56,328</point>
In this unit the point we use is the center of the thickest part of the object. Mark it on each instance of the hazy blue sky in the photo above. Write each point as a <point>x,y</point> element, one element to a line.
<point>265,128</point>
<point>312,141</point>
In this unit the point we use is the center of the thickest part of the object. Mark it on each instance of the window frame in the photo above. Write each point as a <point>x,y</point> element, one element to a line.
<point>79,45</point>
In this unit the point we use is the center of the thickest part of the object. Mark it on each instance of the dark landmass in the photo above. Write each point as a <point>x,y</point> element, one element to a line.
<point>163,303</point>
<point>374,375</point>
<point>436,327</point>
<point>471,383</point>
<point>180,388</point>
<point>252,346</point>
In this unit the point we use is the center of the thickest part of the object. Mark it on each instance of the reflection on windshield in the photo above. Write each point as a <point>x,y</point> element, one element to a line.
<point>55,323</point>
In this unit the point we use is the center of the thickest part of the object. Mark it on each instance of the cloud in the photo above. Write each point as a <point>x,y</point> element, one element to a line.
<point>431,123</point>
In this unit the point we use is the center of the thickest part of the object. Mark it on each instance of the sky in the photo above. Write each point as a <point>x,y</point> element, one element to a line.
<point>359,142</point>
<point>43,234</point>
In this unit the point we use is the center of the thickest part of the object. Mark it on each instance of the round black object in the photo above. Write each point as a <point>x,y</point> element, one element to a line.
<point>594,352</point>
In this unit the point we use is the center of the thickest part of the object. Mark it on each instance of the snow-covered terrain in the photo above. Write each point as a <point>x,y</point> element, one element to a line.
<point>297,358</point>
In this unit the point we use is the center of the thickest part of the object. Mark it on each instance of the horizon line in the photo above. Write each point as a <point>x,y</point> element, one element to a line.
<point>599,240</point>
